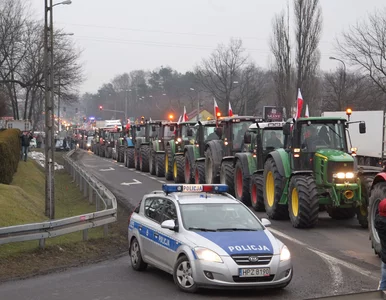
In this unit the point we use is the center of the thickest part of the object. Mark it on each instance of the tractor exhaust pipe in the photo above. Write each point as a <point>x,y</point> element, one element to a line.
<point>348,194</point>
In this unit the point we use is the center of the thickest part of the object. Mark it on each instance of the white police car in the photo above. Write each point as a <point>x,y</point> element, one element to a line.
<point>206,238</point>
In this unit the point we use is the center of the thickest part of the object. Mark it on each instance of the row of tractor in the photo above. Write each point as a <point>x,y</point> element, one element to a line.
<point>291,170</point>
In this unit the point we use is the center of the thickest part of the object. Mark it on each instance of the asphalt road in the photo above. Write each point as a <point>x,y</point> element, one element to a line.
<point>333,258</point>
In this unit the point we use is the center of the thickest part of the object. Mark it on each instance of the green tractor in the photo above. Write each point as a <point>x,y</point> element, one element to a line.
<point>242,171</point>
<point>194,155</point>
<point>185,134</point>
<point>220,153</point>
<point>315,169</point>
<point>165,132</point>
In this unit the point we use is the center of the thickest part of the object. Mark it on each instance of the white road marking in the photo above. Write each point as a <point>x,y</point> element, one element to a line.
<point>109,169</point>
<point>331,260</point>
<point>137,172</point>
<point>161,181</point>
<point>121,166</point>
<point>131,183</point>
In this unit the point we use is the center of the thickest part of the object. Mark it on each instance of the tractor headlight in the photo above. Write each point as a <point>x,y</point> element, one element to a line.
<point>179,140</point>
<point>342,175</point>
<point>88,145</point>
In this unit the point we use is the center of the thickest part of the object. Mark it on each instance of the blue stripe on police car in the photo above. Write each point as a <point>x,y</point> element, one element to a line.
<point>240,242</point>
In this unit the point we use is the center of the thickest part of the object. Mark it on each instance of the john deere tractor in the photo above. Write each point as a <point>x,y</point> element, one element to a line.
<point>315,168</point>
<point>157,157</point>
<point>243,171</point>
<point>185,133</point>
<point>194,155</point>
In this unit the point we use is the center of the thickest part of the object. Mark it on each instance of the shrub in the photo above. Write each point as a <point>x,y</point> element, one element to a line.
<point>10,147</point>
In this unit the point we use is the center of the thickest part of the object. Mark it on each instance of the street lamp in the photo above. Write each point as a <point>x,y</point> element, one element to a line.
<point>49,107</point>
<point>198,105</point>
<point>344,74</point>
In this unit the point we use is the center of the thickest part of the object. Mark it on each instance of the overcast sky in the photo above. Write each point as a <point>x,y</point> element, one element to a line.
<point>119,36</point>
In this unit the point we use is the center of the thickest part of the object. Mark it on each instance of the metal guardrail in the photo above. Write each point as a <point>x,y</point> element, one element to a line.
<point>105,212</point>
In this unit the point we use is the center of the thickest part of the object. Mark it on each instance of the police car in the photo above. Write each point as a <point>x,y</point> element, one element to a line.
<point>206,238</point>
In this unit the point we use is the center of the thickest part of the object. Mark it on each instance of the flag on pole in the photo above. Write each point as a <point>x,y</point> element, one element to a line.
<point>307,114</point>
<point>230,112</point>
<point>299,105</point>
<point>217,112</point>
<point>185,117</point>
<point>179,119</point>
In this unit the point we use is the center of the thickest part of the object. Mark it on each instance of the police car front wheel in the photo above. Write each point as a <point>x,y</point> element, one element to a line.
<point>136,258</point>
<point>183,275</point>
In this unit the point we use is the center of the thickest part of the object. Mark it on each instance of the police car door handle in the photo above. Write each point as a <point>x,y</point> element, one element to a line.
<point>140,227</point>
<point>156,235</point>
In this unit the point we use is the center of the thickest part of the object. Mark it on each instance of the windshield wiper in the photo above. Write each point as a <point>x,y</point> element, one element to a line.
<point>236,229</point>
<point>201,229</point>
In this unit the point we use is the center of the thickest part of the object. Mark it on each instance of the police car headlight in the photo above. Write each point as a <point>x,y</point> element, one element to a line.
<point>208,255</point>
<point>285,254</point>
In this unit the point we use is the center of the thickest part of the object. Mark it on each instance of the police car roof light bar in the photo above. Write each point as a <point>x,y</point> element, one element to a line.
<point>195,188</point>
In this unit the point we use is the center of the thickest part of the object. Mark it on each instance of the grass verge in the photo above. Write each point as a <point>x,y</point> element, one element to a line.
<point>23,202</point>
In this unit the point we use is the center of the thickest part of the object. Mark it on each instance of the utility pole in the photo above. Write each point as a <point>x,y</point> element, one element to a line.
<point>49,111</point>
<point>126,106</point>
<point>59,123</point>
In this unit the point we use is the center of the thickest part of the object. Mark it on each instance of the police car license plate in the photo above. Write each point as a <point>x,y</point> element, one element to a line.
<point>192,188</point>
<point>254,272</point>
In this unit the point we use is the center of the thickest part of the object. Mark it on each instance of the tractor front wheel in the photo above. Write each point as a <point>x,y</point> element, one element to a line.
<point>168,163</point>
<point>362,213</point>
<point>178,169</point>
<point>273,191</point>
<point>199,172</point>
<point>303,203</point>
<point>144,158</point>
<point>227,176</point>
<point>241,179</point>
<point>257,192</point>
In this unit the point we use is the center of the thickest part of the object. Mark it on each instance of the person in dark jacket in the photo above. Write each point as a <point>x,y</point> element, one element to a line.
<point>26,137</point>
<point>380,226</point>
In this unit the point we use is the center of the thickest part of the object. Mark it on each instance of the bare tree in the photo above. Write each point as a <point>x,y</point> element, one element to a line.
<point>364,45</point>
<point>218,73</point>
<point>308,29</point>
<point>281,50</point>
<point>359,93</point>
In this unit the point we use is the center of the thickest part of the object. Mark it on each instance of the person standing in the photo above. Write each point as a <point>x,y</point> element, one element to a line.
<point>380,226</point>
<point>26,138</point>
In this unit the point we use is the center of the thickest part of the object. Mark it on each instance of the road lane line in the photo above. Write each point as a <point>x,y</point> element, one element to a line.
<point>161,181</point>
<point>325,256</point>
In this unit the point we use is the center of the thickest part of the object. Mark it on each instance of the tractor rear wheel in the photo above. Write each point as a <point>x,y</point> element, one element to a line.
<point>257,192</point>
<point>303,203</point>
<point>152,162</point>
<point>144,158</point>
<point>130,157</point>
<point>377,195</point>
<point>339,213</point>
<point>178,169</point>
<point>189,168</point>
<point>362,213</point>
<point>159,165</point>
<point>227,176</point>
<point>241,180</point>
<point>273,191</point>
<point>199,172</point>
<point>168,163</point>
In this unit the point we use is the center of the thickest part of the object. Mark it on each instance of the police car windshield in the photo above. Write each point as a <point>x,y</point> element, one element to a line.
<point>218,217</point>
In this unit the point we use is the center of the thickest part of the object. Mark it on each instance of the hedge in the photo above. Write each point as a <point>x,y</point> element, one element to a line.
<point>10,148</point>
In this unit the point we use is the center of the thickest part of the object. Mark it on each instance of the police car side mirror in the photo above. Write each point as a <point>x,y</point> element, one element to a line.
<point>169,224</point>
<point>266,222</point>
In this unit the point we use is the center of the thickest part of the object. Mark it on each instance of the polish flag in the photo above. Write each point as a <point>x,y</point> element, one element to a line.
<point>230,112</point>
<point>307,114</point>
<point>299,105</point>
<point>217,112</point>
<point>185,117</point>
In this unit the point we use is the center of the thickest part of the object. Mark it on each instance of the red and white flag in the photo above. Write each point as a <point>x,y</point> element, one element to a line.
<point>307,114</point>
<point>185,117</point>
<point>299,105</point>
<point>217,112</point>
<point>230,112</point>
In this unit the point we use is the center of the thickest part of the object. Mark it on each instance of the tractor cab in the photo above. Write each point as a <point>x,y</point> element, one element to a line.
<point>185,133</point>
<point>233,131</point>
